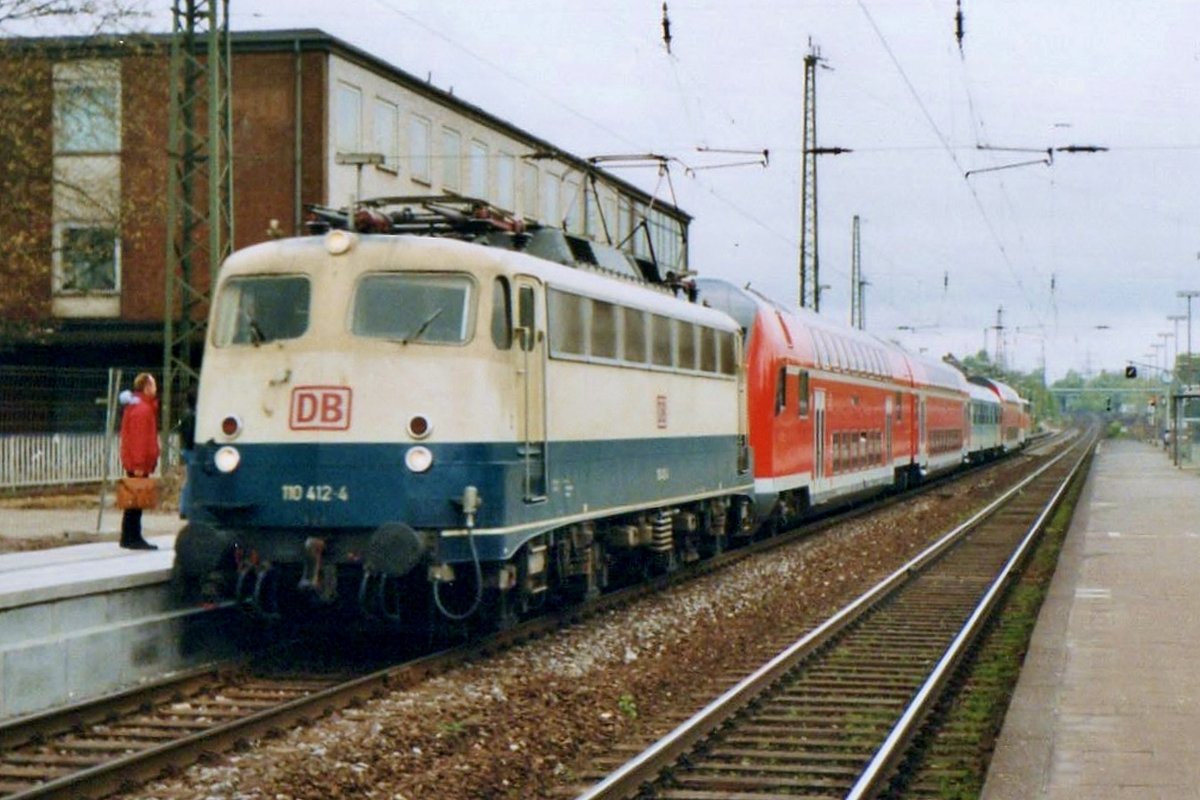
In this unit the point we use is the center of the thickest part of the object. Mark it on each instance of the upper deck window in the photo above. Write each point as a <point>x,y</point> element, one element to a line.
<point>414,307</point>
<point>261,308</point>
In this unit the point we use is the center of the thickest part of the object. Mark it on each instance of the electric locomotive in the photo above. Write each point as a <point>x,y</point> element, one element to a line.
<point>459,426</point>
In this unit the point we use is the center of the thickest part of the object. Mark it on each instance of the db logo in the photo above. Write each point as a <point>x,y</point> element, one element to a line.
<point>320,408</point>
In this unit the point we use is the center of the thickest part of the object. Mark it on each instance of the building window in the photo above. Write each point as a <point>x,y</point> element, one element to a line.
<point>451,155</point>
<point>87,117</point>
<point>387,133</point>
<point>506,176</point>
<point>529,189</point>
<point>550,214</point>
<point>348,136</point>
<point>418,148</point>
<point>573,198</point>
<point>88,258</point>
<point>478,167</point>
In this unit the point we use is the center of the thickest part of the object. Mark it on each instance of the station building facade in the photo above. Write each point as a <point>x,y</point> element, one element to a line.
<point>84,131</point>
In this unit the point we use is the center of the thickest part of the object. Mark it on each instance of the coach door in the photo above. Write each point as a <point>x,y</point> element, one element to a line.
<point>530,330</point>
<point>922,441</point>
<point>818,434</point>
<point>889,459</point>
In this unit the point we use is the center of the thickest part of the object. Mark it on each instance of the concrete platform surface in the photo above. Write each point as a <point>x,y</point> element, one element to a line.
<point>1108,702</point>
<point>37,576</point>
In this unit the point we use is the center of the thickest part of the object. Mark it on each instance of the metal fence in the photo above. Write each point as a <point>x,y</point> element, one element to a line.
<point>57,426</point>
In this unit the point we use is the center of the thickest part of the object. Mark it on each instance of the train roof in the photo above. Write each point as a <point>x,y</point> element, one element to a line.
<point>807,335</point>
<point>1005,392</point>
<point>290,254</point>
<point>982,394</point>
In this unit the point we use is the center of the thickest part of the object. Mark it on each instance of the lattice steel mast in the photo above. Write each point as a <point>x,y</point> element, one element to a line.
<point>199,186</point>
<point>810,293</point>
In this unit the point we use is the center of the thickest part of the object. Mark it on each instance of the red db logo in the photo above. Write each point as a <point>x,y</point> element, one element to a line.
<point>325,408</point>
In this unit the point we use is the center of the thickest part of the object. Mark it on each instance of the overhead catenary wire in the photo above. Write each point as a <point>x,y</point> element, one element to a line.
<point>949,150</point>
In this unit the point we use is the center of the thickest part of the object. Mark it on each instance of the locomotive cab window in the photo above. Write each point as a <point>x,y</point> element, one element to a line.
<point>408,307</point>
<point>261,308</point>
<point>502,314</point>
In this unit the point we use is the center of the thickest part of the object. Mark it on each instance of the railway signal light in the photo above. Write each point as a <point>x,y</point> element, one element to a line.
<point>1130,371</point>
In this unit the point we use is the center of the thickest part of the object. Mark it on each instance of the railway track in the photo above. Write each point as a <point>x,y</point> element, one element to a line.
<point>832,715</point>
<point>113,743</point>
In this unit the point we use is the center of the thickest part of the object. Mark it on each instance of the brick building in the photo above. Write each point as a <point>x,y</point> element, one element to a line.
<point>83,143</point>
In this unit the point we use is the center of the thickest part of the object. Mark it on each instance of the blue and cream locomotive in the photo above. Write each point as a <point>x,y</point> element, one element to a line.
<point>424,426</point>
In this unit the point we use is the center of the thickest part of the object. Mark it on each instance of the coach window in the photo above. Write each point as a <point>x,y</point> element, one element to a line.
<point>685,339</point>
<point>261,308</point>
<point>802,393</point>
<point>635,335</point>
<point>727,344</point>
<point>411,307</point>
<point>604,329</point>
<point>502,314</point>
<point>708,349</point>
<point>899,407</point>
<point>781,391</point>
<point>660,341</point>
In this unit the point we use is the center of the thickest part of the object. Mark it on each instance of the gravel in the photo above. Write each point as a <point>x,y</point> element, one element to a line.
<point>529,722</point>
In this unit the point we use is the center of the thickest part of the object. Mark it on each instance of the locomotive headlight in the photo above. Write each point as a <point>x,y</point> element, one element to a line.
<point>338,242</point>
<point>418,459</point>
<point>227,458</point>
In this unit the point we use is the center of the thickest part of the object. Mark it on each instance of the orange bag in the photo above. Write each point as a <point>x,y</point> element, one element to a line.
<point>137,493</point>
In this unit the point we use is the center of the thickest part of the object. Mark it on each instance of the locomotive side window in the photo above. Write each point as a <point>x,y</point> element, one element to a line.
<point>802,393</point>
<point>708,349</point>
<point>604,329</point>
<point>430,309</point>
<point>568,325</point>
<point>660,339</point>
<point>635,335</point>
<point>261,308</point>
<point>502,314</point>
<point>685,338</point>
<point>727,345</point>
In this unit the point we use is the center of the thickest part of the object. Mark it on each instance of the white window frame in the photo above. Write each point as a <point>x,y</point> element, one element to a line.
<point>420,154</point>
<point>451,159</point>
<point>506,181</point>
<point>478,165</point>
<point>88,76</point>
<point>59,238</point>
<point>530,183</point>
<point>551,212</point>
<point>385,131</point>
<point>348,112</point>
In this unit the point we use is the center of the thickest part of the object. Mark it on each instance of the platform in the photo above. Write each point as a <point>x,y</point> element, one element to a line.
<point>83,619</point>
<point>1108,703</point>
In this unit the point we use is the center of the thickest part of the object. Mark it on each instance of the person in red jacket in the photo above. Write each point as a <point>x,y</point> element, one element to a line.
<point>139,451</point>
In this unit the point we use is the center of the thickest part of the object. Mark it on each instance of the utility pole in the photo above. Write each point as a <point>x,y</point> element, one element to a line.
<point>858,318</point>
<point>1188,294</point>
<point>1000,337</point>
<point>810,278</point>
<point>810,295</point>
<point>199,186</point>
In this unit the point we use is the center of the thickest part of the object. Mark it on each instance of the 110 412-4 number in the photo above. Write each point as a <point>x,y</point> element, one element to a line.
<point>319,493</point>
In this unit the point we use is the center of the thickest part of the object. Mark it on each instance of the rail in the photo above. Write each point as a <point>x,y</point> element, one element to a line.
<point>690,740</point>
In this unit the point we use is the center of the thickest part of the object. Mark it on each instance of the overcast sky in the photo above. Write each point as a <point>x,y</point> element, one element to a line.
<point>1103,239</point>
